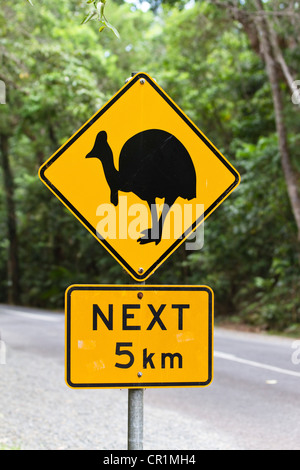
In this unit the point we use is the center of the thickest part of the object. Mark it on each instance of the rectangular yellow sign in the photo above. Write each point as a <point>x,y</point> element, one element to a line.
<point>132,336</point>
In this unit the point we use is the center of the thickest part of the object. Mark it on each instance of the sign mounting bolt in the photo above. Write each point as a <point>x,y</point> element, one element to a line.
<point>139,374</point>
<point>140,270</point>
<point>142,81</point>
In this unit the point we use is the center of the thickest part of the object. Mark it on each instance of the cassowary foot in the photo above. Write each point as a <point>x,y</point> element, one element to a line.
<point>149,237</point>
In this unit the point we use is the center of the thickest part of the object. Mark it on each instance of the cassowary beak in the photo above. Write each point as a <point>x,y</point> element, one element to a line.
<point>90,155</point>
<point>100,139</point>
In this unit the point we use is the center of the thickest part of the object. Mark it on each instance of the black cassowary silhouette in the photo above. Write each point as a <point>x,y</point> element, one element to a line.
<point>152,164</point>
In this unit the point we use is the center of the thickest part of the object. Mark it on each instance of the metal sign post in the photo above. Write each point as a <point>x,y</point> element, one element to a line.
<point>138,149</point>
<point>137,337</point>
<point>135,418</point>
<point>136,415</point>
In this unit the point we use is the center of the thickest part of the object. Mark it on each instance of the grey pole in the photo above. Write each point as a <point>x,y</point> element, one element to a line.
<point>135,418</point>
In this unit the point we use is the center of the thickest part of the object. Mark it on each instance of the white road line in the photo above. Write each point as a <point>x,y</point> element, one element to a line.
<point>34,316</point>
<point>232,357</point>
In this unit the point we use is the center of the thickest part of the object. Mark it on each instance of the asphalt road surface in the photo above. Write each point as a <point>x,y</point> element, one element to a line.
<point>253,402</point>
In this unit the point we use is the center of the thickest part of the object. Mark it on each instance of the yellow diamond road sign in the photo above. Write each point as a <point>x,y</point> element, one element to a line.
<point>140,176</point>
<point>139,336</point>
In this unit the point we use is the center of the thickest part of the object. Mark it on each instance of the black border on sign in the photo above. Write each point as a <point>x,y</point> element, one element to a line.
<point>136,275</point>
<point>138,288</point>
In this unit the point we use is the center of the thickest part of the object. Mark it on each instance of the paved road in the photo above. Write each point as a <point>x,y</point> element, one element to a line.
<point>253,402</point>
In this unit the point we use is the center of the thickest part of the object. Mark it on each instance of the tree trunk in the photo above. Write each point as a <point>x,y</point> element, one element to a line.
<point>12,262</point>
<point>280,59</point>
<point>263,39</point>
<point>290,177</point>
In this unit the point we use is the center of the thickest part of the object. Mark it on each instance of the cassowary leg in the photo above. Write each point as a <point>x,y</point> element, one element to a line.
<point>114,196</point>
<point>155,233</point>
<point>165,211</point>
<point>151,234</point>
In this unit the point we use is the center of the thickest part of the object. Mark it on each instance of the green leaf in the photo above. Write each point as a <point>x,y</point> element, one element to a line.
<point>30,2</point>
<point>88,17</point>
<point>110,26</point>
<point>100,10</point>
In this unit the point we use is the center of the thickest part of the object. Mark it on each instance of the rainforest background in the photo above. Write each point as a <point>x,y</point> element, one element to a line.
<point>232,66</point>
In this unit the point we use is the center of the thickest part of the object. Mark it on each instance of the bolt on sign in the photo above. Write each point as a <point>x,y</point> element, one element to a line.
<point>140,176</point>
<point>139,336</point>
